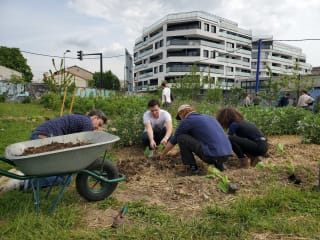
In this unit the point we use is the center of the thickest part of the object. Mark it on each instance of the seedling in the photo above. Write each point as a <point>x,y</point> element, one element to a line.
<point>260,165</point>
<point>280,148</point>
<point>291,168</point>
<point>213,172</point>
<point>224,184</point>
<point>147,152</point>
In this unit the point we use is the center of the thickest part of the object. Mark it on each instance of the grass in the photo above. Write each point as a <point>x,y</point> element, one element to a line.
<point>277,212</point>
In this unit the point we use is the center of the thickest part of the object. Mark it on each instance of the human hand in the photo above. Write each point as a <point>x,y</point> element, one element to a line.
<point>153,145</point>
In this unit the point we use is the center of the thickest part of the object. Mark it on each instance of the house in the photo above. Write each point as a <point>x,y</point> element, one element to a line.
<point>7,73</point>
<point>80,76</point>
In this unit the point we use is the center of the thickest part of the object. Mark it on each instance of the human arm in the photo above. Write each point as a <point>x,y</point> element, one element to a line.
<point>168,132</point>
<point>168,147</point>
<point>149,130</point>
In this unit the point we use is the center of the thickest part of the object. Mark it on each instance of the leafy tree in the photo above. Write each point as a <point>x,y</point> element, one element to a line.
<point>12,58</point>
<point>109,80</point>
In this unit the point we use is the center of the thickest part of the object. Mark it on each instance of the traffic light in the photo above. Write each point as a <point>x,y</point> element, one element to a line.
<point>80,55</point>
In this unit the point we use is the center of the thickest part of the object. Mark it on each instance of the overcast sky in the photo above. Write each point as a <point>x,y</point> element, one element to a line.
<point>50,27</point>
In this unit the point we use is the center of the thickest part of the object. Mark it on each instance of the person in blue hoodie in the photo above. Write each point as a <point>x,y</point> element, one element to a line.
<point>199,134</point>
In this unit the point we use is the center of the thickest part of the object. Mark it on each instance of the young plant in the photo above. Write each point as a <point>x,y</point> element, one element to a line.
<point>146,151</point>
<point>213,172</point>
<point>224,184</point>
<point>291,168</point>
<point>280,148</point>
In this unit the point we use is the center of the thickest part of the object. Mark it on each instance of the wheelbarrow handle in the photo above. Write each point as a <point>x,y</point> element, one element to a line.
<point>7,161</point>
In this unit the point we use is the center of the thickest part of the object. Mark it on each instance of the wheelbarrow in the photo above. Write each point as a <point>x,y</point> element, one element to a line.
<point>96,178</point>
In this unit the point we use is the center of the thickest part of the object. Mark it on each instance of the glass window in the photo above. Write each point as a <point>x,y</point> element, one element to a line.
<point>206,27</point>
<point>206,53</point>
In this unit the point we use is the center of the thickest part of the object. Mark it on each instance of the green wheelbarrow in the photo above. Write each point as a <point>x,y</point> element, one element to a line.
<point>96,178</point>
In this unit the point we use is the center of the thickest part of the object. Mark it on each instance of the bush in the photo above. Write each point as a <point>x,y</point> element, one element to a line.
<point>309,128</point>
<point>2,98</point>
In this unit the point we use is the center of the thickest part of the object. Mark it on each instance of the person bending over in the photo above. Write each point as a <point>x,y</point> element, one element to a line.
<point>199,134</point>
<point>247,141</point>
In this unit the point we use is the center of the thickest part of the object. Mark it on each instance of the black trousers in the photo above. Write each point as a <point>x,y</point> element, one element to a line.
<point>158,135</point>
<point>189,146</point>
<point>242,146</point>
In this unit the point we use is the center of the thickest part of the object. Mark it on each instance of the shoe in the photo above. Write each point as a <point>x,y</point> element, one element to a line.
<point>254,161</point>
<point>219,165</point>
<point>190,171</point>
<point>244,162</point>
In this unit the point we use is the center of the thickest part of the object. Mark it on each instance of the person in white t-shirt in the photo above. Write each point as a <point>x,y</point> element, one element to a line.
<point>304,100</point>
<point>158,125</point>
<point>166,95</point>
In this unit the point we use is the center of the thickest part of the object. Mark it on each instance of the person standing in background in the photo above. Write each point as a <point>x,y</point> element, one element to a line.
<point>166,95</point>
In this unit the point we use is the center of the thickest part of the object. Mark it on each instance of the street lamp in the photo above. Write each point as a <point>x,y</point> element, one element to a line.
<point>64,64</point>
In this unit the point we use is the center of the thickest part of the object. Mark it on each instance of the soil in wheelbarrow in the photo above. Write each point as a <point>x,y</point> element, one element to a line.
<point>52,147</point>
<point>157,182</point>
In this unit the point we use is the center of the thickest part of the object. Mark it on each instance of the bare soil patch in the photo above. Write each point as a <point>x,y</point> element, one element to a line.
<point>157,182</point>
<point>52,147</point>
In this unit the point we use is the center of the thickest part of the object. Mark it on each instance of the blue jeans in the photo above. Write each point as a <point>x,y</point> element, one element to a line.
<point>46,181</point>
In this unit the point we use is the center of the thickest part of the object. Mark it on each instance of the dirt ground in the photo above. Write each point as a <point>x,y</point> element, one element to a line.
<point>157,182</point>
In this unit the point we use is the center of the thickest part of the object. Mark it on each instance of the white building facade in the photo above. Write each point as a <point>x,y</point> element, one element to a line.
<point>218,49</point>
<point>280,57</point>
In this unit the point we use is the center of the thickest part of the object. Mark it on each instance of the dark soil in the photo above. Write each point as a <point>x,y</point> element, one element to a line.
<point>52,147</point>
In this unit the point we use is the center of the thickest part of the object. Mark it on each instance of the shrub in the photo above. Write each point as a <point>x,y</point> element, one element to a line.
<point>2,98</point>
<point>309,128</point>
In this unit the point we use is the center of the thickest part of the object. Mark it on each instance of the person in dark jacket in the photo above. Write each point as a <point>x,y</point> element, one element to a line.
<point>284,100</point>
<point>247,141</point>
<point>199,134</point>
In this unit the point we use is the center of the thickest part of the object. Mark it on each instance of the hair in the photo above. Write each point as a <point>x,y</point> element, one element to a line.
<point>226,116</point>
<point>163,84</point>
<point>153,102</point>
<point>186,111</point>
<point>99,114</point>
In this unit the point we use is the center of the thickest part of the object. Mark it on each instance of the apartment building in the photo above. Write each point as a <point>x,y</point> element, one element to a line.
<point>218,49</point>
<point>280,57</point>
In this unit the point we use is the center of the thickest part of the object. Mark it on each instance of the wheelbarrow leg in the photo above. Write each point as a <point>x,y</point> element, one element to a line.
<point>35,184</point>
<point>63,188</point>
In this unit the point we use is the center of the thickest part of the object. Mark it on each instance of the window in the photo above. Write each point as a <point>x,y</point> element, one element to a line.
<point>205,53</point>
<point>161,68</point>
<point>155,69</point>
<point>206,27</point>
<point>230,45</point>
<point>213,29</point>
<point>212,54</point>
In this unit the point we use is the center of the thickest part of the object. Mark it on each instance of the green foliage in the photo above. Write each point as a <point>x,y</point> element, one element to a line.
<point>291,168</point>
<point>109,80</point>
<point>223,185</point>
<point>275,121</point>
<point>51,100</point>
<point>214,95</point>
<point>58,80</point>
<point>2,98</point>
<point>12,58</point>
<point>280,148</point>
<point>309,128</point>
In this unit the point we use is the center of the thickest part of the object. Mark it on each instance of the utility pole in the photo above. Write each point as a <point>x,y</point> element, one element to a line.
<point>258,66</point>
<point>80,57</point>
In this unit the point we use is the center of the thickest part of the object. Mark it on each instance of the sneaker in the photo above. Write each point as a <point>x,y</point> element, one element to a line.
<point>219,165</point>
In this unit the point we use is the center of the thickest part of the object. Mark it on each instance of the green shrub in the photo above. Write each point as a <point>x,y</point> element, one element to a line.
<point>309,128</point>
<point>2,98</point>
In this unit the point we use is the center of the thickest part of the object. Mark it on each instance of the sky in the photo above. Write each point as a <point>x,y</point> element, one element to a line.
<point>50,27</point>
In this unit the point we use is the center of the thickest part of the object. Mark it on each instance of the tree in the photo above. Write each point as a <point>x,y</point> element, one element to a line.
<point>109,80</point>
<point>12,58</point>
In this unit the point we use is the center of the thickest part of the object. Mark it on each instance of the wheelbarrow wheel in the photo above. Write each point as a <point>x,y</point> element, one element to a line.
<point>93,189</point>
